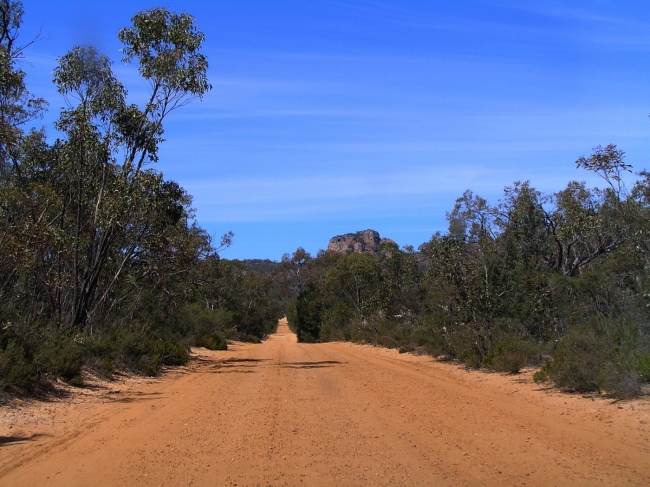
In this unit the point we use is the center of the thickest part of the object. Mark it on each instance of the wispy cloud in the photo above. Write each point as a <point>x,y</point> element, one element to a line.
<point>295,197</point>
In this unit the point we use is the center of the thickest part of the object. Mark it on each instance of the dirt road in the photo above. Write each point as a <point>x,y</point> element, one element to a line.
<point>283,413</point>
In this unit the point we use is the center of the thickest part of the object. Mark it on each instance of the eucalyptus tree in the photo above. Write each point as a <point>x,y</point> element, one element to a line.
<point>87,224</point>
<point>17,105</point>
<point>357,280</point>
<point>115,208</point>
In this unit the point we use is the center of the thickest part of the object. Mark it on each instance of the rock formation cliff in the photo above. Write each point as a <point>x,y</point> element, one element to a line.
<point>366,241</point>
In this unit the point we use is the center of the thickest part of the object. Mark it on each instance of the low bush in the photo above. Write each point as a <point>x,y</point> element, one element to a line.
<point>108,366</point>
<point>541,375</point>
<point>578,361</point>
<point>642,368</point>
<point>61,357</point>
<point>15,368</point>
<point>623,385</point>
<point>140,350</point>
<point>211,341</point>
<point>28,358</point>
<point>170,352</point>
<point>470,359</point>
<point>512,356</point>
<point>250,339</point>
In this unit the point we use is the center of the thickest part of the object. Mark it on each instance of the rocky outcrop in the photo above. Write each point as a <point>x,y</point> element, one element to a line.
<point>367,241</point>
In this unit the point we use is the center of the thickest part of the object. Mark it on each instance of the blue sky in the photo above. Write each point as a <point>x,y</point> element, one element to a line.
<point>328,117</point>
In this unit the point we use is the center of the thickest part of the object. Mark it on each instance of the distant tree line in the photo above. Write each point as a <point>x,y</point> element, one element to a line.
<point>559,280</point>
<point>101,262</point>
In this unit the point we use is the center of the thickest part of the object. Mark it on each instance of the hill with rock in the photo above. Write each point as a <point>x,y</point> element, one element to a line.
<point>366,241</point>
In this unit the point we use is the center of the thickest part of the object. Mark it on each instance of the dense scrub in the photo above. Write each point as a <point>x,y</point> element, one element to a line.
<point>558,280</point>
<point>101,262</point>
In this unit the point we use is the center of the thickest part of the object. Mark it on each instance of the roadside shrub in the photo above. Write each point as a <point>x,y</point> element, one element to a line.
<point>458,344</point>
<point>429,338</point>
<point>15,368</point>
<point>212,341</point>
<point>623,385</point>
<point>642,367</point>
<point>470,359</point>
<point>170,352</point>
<point>250,339</point>
<point>32,355</point>
<point>62,357</point>
<point>578,361</point>
<point>109,368</point>
<point>308,315</point>
<point>541,375</point>
<point>338,323</point>
<point>512,356</point>
<point>148,366</point>
<point>201,321</point>
<point>145,352</point>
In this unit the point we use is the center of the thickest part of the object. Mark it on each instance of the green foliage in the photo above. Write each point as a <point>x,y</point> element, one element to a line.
<point>512,355</point>
<point>108,366</point>
<point>29,356</point>
<point>231,301</point>
<point>579,360</point>
<point>96,249</point>
<point>61,357</point>
<point>142,350</point>
<point>642,367</point>
<point>623,385</point>
<point>17,105</point>
<point>211,341</point>
<point>357,280</point>
<point>16,367</point>
<point>308,314</point>
<point>541,375</point>
<point>167,47</point>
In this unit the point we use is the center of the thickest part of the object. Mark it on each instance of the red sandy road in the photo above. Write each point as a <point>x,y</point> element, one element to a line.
<point>283,413</point>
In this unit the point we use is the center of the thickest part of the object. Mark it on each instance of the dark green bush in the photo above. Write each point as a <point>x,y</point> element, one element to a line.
<point>148,365</point>
<point>512,356</point>
<point>308,314</point>
<point>29,358</point>
<point>109,367</point>
<point>642,367</point>
<point>250,339</point>
<point>60,357</point>
<point>15,368</point>
<point>541,375</point>
<point>470,359</point>
<point>198,320</point>
<point>623,385</point>
<point>211,342</point>
<point>141,350</point>
<point>578,361</point>
<point>169,352</point>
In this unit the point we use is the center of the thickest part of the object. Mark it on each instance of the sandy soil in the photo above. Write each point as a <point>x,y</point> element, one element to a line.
<point>283,413</point>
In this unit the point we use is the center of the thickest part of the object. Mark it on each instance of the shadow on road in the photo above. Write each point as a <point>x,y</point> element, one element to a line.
<point>5,440</point>
<point>310,365</point>
<point>240,360</point>
<point>236,366</point>
<point>138,397</point>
